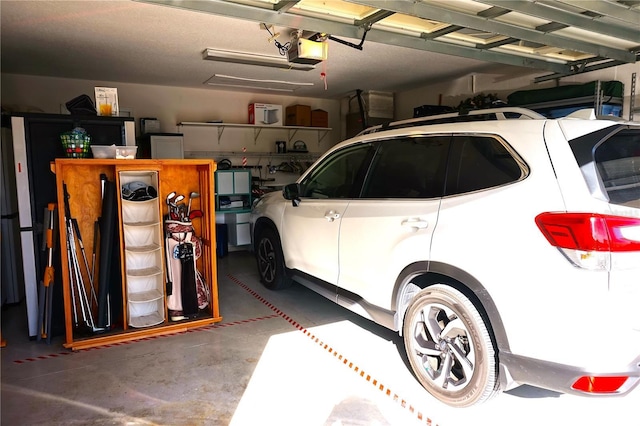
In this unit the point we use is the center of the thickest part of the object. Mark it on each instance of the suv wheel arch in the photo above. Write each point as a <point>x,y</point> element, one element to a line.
<point>260,225</point>
<point>420,275</point>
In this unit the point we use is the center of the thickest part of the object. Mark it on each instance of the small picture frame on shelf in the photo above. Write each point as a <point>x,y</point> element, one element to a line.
<point>107,101</point>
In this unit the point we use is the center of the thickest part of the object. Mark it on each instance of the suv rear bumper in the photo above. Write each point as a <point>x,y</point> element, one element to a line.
<point>561,377</point>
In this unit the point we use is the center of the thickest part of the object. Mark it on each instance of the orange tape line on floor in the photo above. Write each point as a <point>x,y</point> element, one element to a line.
<point>331,350</point>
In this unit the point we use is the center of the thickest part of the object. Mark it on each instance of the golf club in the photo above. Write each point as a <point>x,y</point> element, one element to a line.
<point>193,195</point>
<point>175,212</point>
<point>168,201</point>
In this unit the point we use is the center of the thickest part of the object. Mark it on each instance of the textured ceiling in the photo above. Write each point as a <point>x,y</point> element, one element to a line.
<point>407,44</point>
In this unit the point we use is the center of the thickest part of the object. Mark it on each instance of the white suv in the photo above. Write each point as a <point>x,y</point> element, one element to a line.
<point>503,246</point>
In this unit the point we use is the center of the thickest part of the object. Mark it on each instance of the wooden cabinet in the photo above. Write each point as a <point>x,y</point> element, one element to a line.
<point>137,305</point>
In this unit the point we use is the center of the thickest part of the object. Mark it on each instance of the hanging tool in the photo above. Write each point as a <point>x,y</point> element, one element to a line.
<point>75,270</point>
<point>71,279</point>
<point>86,262</point>
<point>96,233</point>
<point>107,232</point>
<point>45,302</point>
<point>94,254</point>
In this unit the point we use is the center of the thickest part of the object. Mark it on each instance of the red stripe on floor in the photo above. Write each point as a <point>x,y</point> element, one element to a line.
<point>395,398</point>
<point>142,339</point>
<point>41,357</point>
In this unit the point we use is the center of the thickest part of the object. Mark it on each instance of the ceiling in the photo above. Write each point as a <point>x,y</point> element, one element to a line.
<point>372,45</point>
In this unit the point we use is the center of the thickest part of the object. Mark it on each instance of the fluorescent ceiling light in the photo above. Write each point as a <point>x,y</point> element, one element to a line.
<point>254,83</point>
<point>240,86</point>
<point>252,59</point>
<point>258,80</point>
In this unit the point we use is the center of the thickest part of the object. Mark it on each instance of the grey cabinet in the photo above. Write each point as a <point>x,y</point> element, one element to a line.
<point>233,204</point>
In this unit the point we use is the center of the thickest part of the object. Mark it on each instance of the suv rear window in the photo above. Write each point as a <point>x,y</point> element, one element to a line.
<point>480,162</point>
<point>618,163</point>
<point>412,167</point>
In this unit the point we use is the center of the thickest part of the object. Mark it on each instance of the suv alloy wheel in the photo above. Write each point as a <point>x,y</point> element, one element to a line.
<point>449,347</point>
<point>271,261</point>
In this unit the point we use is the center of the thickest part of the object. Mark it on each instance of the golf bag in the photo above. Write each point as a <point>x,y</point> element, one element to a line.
<point>186,290</point>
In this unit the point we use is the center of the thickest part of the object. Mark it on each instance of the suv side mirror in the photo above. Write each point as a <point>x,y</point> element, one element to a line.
<point>292,192</point>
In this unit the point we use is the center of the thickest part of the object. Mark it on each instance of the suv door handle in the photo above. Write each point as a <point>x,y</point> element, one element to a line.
<point>332,215</point>
<point>415,223</point>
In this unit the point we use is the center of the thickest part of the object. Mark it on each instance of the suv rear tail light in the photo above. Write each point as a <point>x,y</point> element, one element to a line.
<point>589,239</point>
<point>593,384</point>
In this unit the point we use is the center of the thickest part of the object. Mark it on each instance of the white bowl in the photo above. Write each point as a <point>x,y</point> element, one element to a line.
<point>126,152</point>
<point>103,151</point>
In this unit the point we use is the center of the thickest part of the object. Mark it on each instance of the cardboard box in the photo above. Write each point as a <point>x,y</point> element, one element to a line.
<point>319,118</point>
<point>298,115</point>
<point>265,114</point>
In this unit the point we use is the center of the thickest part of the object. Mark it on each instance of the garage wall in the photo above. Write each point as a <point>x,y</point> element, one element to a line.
<point>452,92</point>
<point>170,105</point>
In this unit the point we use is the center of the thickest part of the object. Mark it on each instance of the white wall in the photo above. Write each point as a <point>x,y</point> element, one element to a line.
<point>171,105</point>
<point>452,92</point>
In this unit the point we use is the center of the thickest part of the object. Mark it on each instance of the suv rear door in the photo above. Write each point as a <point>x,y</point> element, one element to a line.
<point>485,219</point>
<point>390,225</point>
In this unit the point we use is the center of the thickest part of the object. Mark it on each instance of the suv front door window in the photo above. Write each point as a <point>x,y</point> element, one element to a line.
<point>313,225</point>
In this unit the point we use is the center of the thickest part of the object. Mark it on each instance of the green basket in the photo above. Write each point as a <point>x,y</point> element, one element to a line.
<point>75,145</point>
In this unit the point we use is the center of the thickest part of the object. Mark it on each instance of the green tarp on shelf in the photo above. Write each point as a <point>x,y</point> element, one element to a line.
<point>527,97</point>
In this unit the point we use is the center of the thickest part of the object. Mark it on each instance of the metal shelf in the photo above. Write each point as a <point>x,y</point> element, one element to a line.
<point>257,129</point>
<point>253,154</point>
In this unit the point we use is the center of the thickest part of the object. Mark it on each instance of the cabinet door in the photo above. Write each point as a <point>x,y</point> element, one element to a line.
<point>242,182</point>
<point>239,234</point>
<point>224,182</point>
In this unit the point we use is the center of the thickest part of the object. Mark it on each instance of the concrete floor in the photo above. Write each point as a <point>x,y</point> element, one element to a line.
<point>277,358</point>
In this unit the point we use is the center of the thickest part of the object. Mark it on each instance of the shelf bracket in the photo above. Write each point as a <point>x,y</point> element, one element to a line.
<point>292,133</point>
<point>324,133</point>
<point>220,132</point>
<point>256,133</point>
<point>632,98</point>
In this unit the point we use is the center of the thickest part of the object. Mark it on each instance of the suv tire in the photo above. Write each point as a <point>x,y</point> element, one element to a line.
<point>449,347</point>
<point>271,261</point>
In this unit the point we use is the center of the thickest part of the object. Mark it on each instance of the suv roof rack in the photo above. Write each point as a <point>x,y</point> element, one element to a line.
<point>505,113</point>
